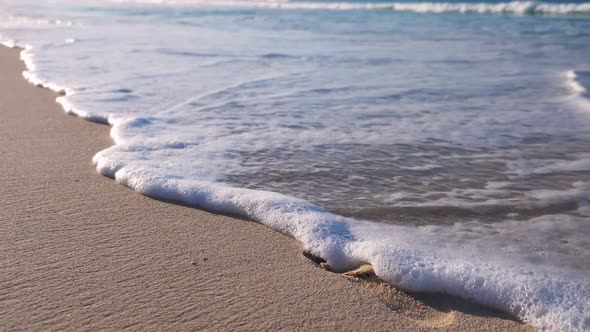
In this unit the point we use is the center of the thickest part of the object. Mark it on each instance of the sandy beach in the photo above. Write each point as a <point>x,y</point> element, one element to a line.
<point>79,251</point>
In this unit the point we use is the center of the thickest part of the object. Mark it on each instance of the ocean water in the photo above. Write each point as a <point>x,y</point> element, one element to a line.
<point>444,143</point>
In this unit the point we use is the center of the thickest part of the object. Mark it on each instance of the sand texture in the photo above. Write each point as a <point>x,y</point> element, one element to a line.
<point>79,251</point>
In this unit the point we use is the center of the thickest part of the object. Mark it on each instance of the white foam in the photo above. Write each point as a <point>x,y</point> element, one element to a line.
<point>9,43</point>
<point>581,97</point>
<point>574,85</point>
<point>413,259</point>
<point>513,7</point>
<point>496,198</point>
<point>29,75</point>
<point>409,258</point>
<point>425,167</point>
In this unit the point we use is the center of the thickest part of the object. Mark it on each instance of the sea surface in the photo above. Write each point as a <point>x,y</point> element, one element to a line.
<point>445,143</point>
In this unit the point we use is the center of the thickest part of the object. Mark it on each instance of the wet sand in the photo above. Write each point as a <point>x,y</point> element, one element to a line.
<point>79,251</point>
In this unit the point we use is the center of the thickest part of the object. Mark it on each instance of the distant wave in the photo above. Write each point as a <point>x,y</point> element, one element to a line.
<point>514,7</point>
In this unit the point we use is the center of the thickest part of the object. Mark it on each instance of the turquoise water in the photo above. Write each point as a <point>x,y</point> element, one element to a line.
<point>444,143</point>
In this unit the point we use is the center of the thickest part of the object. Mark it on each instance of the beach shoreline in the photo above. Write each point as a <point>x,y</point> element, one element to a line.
<point>81,251</point>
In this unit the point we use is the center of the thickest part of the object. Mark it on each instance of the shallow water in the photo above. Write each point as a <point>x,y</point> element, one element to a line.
<point>459,131</point>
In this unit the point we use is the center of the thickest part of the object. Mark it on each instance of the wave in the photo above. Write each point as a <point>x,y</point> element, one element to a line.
<point>514,7</point>
<point>579,82</point>
<point>411,258</point>
<point>27,20</point>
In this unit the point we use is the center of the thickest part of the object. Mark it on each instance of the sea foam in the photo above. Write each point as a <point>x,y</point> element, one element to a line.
<point>413,259</point>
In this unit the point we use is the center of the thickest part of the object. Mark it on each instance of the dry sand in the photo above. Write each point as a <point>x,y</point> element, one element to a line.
<point>79,251</point>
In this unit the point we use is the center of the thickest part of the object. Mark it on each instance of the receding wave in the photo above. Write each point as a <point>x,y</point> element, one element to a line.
<point>509,284</point>
<point>513,7</point>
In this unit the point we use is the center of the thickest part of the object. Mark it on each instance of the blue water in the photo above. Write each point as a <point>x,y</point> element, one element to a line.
<point>444,143</point>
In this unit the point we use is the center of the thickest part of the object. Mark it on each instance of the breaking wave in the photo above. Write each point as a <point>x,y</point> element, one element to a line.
<point>513,7</point>
<point>578,82</point>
